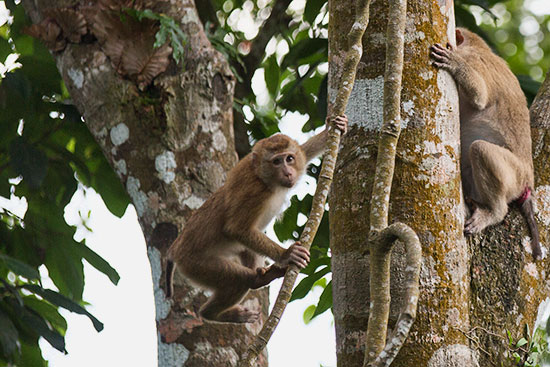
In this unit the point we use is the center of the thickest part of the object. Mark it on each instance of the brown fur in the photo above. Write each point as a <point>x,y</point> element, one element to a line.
<point>495,135</point>
<point>223,244</point>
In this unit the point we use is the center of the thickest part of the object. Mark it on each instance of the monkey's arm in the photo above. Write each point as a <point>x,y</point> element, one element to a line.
<point>258,242</point>
<point>315,145</point>
<point>469,80</point>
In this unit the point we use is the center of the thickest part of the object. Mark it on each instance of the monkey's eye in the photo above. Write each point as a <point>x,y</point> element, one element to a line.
<point>289,159</point>
<point>277,161</point>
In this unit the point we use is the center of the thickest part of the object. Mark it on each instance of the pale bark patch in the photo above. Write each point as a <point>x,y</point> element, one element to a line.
<point>456,355</point>
<point>366,114</point>
<point>77,77</point>
<point>165,164</point>
<point>119,134</point>
<point>162,305</point>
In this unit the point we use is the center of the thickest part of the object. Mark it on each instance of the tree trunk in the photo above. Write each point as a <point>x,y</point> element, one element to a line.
<point>472,290</point>
<point>171,143</point>
<point>426,172</point>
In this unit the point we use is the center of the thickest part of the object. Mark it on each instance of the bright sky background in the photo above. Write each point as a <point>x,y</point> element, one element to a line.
<point>127,310</point>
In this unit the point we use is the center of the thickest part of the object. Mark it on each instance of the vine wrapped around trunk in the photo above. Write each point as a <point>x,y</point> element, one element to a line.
<point>382,237</point>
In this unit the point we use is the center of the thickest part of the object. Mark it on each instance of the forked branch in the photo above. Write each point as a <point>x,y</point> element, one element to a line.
<point>351,59</point>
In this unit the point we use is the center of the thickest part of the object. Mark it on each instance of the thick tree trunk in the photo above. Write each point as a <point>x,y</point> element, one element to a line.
<point>473,290</point>
<point>427,172</point>
<point>171,145</point>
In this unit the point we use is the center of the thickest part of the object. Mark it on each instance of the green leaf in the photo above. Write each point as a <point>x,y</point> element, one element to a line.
<point>29,162</point>
<point>47,311</point>
<point>5,49</point>
<point>325,301</point>
<point>31,356</point>
<point>20,268</point>
<point>62,301</point>
<point>303,288</point>
<point>65,268</point>
<point>98,262</point>
<point>39,325</point>
<point>111,190</point>
<point>308,314</point>
<point>316,263</point>
<point>271,75</point>
<point>8,335</point>
<point>306,51</point>
<point>521,343</point>
<point>313,8</point>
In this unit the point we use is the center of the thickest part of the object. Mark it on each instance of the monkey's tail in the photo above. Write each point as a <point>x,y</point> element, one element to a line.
<point>169,278</point>
<point>527,209</point>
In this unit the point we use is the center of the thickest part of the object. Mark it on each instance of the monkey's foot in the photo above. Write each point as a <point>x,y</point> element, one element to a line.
<point>479,220</point>
<point>264,276</point>
<point>239,315</point>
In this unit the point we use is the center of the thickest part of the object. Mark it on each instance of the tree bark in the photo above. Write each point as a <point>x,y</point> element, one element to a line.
<point>426,172</point>
<point>171,145</point>
<point>473,290</point>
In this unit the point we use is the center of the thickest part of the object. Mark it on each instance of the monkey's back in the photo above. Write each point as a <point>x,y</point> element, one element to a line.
<point>234,205</point>
<point>505,119</point>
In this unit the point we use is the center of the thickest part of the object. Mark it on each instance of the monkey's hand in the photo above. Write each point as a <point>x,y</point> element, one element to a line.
<point>444,57</point>
<point>339,122</point>
<point>295,254</point>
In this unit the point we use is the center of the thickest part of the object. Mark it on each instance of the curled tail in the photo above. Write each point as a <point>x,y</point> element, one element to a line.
<point>169,278</point>
<point>526,207</point>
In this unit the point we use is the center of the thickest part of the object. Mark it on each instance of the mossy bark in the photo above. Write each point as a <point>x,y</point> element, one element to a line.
<point>171,145</point>
<point>472,290</point>
<point>425,194</point>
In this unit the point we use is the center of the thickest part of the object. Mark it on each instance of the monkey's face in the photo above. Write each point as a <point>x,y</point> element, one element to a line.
<point>284,166</point>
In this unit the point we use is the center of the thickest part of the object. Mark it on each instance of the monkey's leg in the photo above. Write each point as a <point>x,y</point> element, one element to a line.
<point>230,281</point>
<point>497,177</point>
<point>223,307</point>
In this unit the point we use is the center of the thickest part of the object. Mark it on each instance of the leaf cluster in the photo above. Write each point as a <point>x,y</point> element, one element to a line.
<point>532,350</point>
<point>169,31</point>
<point>46,152</point>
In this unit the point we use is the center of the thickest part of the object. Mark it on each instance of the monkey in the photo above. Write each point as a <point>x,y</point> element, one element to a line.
<point>222,245</point>
<point>495,135</point>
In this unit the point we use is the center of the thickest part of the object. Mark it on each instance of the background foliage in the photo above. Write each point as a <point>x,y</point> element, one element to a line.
<point>278,51</point>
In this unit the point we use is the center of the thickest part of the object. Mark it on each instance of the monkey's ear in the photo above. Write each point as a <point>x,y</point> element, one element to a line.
<point>459,37</point>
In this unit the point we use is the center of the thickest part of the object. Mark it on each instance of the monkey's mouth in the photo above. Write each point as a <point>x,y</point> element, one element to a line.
<point>289,183</point>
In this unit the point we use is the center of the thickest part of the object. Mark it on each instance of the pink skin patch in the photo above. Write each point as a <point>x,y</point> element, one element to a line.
<point>524,196</point>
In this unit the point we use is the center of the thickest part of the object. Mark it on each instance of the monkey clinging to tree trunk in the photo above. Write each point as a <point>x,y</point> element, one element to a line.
<point>223,244</point>
<point>495,135</point>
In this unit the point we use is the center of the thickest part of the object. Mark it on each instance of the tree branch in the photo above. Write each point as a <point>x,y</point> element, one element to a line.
<point>352,57</point>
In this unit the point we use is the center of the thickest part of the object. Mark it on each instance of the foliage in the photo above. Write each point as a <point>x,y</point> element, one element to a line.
<point>169,30</point>
<point>531,350</point>
<point>45,151</point>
